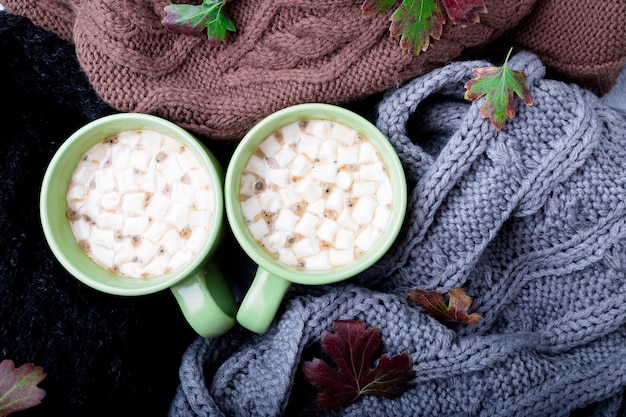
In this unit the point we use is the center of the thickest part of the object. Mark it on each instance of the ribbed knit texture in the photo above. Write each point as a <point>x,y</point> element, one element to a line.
<point>530,221</point>
<point>283,52</point>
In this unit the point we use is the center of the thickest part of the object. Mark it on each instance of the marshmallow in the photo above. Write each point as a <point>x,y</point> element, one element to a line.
<point>277,176</point>
<point>183,193</point>
<point>309,190</point>
<point>286,220</point>
<point>203,200</point>
<point>344,180</point>
<point>343,133</point>
<point>307,226</point>
<point>319,128</point>
<point>309,146</point>
<point>257,166</point>
<point>363,211</point>
<point>177,215</point>
<point>336,200</point>
<point>368,154</point>
<point>287,256</point>
<point>270,201</point>
<point>259,229</point>
<point>367,238</point>
<point>301,166</point>
<point>364,189</point>
<point>328,230</point>
<point>157,206</point>
<point>318,262</point>
<point>270,146</point>
<point>120,157</point>
<point>289,196</point>
<point>340,257</point>
<point>347,155</point>
<point>325,172</point>
<point>135,225</point>
<point>151,181</point>
<point>344,240</point>
<point>305,247</point>
<point>251,208</point>
<point>285,156</point>
<point>105,181</point>
<point>372,172</point>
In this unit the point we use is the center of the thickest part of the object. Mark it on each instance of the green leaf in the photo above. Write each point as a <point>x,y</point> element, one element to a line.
<point>415,22</point>
<point>353,349</point>
<point>499,85</point>
<point>194,19</point>
<point>458,309</point>
<point>370,7</point>
<point>18,387</point>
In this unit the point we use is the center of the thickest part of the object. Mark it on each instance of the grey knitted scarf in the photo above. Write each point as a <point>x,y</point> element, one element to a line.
<point>530,221</point>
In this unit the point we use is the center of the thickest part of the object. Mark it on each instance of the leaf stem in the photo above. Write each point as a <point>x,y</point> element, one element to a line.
<point>506,60</point>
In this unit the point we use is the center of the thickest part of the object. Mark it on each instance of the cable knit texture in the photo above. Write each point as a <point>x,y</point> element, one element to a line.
<point>584,39</point>
<point>283,53</point>
<point>531,221</point>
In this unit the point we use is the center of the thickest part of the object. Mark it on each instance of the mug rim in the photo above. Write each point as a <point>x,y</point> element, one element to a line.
<point>310,111</point>
<point>56,227</point>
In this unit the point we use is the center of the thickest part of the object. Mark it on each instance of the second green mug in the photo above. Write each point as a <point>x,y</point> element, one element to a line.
<point>273,276</point>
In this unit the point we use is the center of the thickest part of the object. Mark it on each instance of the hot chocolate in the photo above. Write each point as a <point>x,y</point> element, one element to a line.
<point>316,195</point>
<point>140,203</point>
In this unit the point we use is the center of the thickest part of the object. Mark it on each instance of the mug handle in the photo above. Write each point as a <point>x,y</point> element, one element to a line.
<point>259,306</point>
<point>206,301</point>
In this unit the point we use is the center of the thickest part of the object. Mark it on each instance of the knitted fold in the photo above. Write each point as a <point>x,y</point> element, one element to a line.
<point>530,221</point>
<point>294,51</point>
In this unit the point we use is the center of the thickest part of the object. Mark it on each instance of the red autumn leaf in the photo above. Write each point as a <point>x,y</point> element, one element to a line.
<point>18,387</point>
<point>464,12</point>
<point>499,85</point>
<point>353,348</point>
<point>458,309</point>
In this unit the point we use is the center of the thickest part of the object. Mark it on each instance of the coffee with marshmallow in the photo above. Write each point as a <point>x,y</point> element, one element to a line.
<point>316,195</point>
<point>140,203</point>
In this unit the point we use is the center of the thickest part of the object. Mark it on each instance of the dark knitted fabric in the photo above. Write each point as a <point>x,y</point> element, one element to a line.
<point>103,355</point>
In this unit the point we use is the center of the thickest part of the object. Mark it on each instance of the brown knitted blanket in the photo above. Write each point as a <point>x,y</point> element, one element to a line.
<point>286,52</point>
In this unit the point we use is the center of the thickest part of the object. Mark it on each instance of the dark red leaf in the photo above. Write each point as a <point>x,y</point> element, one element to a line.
<point>464,12</point>
<point>353,348</point>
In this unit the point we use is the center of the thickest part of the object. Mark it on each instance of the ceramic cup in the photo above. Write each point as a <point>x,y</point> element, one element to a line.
<point>199,287</point>
<point>262,300</point>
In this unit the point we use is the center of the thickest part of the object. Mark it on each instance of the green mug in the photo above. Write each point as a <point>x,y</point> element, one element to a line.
<point>273,277</point>
<point>199,287</point>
